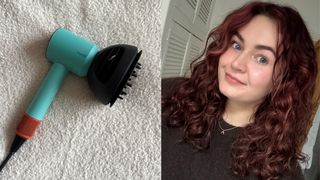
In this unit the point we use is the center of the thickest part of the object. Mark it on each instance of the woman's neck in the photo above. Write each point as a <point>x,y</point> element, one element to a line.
<point>237,113</point>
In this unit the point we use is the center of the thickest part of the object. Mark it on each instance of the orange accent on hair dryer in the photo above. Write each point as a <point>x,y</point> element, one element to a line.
<point>27,126</point>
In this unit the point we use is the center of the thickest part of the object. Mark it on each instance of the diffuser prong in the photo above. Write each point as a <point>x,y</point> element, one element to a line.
<point>128,84</point>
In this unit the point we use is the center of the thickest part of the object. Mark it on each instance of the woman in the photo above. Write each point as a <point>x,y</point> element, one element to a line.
<point>245,110</point>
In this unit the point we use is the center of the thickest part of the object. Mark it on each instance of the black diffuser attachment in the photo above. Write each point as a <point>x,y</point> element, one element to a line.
<point>111,70</point>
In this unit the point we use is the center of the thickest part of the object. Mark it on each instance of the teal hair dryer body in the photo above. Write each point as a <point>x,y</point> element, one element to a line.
<point>68,53</point>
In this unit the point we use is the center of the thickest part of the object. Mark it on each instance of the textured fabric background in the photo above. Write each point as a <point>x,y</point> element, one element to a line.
<point>80,138</point>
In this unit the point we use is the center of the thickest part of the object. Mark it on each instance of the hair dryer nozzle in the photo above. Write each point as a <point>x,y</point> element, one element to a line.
<point>110,71</point>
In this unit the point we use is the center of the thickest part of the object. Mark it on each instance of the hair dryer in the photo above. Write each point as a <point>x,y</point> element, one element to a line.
<point>108,73</point>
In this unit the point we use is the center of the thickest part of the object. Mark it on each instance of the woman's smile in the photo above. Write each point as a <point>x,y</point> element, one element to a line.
<point>233,80</point>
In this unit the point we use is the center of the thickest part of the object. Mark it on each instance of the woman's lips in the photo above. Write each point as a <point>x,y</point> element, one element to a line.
<point>233,80</point>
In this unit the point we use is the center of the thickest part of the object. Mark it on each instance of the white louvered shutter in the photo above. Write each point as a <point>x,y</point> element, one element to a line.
<point>175,51</point>
<point>184,35</point>
<point>193,51</point>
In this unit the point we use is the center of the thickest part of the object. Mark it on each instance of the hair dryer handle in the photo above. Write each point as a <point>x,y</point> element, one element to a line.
<point>42,100</point>
<point>47,91</point>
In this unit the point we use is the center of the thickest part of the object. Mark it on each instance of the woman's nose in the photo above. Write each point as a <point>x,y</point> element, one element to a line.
<point>239,63</point>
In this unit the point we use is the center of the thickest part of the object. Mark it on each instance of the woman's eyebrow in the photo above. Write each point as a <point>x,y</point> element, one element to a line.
<point>259,47</point>
<point>263,47</point>
<point>239,37</point>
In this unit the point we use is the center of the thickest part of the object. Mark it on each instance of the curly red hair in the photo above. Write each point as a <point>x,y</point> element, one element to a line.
<point>271,144</point>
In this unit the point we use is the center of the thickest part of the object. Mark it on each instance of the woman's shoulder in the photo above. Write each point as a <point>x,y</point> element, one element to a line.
<point>170,136</point>
<point>168,85</point>
<point>296,174</point>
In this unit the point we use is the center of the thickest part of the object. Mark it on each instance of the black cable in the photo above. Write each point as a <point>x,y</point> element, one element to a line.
<point>5,161</point>
<point>17,143</point>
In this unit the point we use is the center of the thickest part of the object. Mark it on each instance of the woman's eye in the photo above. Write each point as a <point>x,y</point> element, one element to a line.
<point>235,45</point>
<point>262,60</point>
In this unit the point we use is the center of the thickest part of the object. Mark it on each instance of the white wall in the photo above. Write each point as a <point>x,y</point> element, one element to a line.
<point>164,12</point>
<point>308,9</point>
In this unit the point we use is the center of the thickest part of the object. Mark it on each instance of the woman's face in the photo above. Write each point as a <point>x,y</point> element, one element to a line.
<point>246,68</point>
